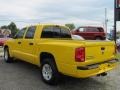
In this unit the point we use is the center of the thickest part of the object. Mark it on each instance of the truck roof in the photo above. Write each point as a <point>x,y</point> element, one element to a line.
<point>46,25</point>
<point>42,25</point>
<point>90,27</point>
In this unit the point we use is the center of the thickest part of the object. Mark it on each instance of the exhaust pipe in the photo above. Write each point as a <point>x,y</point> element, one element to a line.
<point>102,74</point>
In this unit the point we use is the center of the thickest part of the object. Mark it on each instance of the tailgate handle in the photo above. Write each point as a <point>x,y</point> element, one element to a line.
<point>102,48</point>
<point>19,42</point>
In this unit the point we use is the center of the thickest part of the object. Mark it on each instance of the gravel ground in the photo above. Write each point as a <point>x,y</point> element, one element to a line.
<point>23,76</point>
<point>1,51</point>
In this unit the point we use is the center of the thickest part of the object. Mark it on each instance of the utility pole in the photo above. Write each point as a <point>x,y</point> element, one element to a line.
<point>115,5</point>
<point>106,20</point>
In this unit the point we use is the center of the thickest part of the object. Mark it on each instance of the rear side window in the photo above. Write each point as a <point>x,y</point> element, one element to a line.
<point>47,32</point>
<point>30,32</point>
<point>101,29</point>
<point>20,34</point>
<point>51,32</point>
<point>55,32</point>
<point>91,30</point>
<point>81,29</point>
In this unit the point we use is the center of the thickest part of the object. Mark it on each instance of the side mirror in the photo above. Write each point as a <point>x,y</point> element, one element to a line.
<point>14,37</point>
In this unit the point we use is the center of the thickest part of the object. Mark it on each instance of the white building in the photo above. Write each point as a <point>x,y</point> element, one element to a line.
<point>5,32</point>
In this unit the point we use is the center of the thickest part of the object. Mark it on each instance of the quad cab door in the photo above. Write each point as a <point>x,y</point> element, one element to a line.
<point>17,43</point>
<point>28,47</point>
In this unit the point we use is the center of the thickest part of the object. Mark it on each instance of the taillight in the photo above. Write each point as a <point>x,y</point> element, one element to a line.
<point>80,54</point>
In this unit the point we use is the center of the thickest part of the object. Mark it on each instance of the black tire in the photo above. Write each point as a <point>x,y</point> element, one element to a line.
<point>7,57</point>
<point>54,78</point>
<point>98,38</point>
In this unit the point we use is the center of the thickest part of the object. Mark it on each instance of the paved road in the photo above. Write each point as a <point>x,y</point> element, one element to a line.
<point>1,51</point>
<point>23,76</point>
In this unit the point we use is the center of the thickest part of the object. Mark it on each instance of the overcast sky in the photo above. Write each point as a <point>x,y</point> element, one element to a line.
<point>79,12</point>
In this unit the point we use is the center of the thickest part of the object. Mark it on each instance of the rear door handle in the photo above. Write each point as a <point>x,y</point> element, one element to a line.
<point>19,42</point>
<point>30,43</point>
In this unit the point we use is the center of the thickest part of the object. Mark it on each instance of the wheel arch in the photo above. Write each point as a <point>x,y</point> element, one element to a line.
<point>55,73</point>
<point>6,46</point>
<point>44,55</point>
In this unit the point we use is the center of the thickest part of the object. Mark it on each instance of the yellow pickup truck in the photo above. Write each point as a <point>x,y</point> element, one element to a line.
<point>52,49</point>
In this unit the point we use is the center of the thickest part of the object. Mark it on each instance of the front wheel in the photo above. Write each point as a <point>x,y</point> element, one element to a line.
<point>7,57</point>
<point>49,72</point>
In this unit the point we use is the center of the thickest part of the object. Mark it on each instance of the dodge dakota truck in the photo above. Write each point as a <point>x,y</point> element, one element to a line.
<point>52,49</point>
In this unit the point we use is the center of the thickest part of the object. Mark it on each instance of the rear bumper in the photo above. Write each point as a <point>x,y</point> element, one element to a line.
<point>95,69</point>
<point>94,66</point>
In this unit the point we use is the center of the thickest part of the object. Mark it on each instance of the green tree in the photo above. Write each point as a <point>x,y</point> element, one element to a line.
<point>70,25</point>
<point>12,26</point>
<point>4,27</point>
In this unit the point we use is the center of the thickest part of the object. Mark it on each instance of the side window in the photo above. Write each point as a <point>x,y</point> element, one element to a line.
<point>81,29</point>
<point>65,33</point>
<point>30,32</point>
<point>95,30</point>
<point>100,29</point>
<point>92,30</point>
<point>20,34</point>
<point>88,29</point>
<point>47,32</point>
<point>56,32</point>
<point>51,32</point>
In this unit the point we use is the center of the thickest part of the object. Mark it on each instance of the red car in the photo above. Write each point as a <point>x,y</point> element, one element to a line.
<point>90,33</point>
<point>2,40</point>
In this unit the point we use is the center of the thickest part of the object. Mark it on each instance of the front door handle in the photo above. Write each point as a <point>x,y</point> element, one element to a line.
<point>19,42</point>
<point>30,43</point>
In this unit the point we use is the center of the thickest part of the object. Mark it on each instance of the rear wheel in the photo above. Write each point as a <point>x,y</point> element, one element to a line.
<point>7,57</point>
<point>49,72</point>
<point>98,38</point>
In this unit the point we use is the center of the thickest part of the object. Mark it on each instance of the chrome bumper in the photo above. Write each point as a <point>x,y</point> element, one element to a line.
<point>94,66</point>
